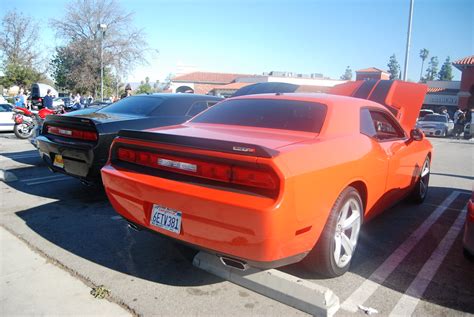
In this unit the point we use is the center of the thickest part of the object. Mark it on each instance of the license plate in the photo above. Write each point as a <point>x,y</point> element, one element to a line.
<point>166,218</point>
<point>58,161</point>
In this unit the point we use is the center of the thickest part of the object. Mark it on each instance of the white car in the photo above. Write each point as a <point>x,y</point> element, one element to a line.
<point>423,113</point>
<point>58,102</point>
<point>436,125</point>
<point>6,113</point>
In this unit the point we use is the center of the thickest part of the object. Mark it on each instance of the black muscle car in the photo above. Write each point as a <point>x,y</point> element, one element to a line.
<point>78,143</point>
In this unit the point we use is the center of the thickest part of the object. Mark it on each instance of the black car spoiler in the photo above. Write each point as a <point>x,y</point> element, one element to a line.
<point>72,122</point>
<point>201,143</point>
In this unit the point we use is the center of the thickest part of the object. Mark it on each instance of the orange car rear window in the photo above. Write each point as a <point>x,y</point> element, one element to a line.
<point>267,113</point>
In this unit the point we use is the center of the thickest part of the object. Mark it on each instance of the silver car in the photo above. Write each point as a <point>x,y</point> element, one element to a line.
<point>436,125</point>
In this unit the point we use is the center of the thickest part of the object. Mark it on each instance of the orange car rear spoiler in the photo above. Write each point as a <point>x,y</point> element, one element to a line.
<point>201,143</point>
<point>403,99</point>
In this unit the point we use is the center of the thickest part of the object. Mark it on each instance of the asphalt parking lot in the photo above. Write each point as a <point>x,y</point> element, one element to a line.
<point>409,259</point>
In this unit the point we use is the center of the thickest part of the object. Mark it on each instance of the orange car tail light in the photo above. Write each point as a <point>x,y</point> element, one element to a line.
<point>73,133</point>
<point>229,173</point>
<point>251,177</point>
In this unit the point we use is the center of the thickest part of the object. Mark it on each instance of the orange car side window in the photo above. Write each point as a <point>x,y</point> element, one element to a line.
<point>385,128</point>
<point>379,125</point>
<point>366,124</point>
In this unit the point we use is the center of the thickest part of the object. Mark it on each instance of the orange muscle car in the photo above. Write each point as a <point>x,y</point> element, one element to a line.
<point>272,179</point>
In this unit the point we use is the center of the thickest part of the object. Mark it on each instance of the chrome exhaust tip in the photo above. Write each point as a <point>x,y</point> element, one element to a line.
<point>234,263</point>
<point>133,226</point>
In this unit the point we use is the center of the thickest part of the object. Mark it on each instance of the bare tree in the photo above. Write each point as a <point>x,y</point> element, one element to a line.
<point>18,36</point>
<point>123,44</point>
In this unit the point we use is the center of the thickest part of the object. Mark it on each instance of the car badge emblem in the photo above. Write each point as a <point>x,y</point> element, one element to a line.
<point>243,149</point>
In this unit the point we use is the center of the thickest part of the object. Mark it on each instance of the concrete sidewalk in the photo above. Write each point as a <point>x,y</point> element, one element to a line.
<point>30,285</point>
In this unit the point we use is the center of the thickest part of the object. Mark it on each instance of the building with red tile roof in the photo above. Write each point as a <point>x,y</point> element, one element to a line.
<point>225,84</point>
<point>209,78</point>
<point>466,92</point>
<point>371,73</point>
<point>464,62</point>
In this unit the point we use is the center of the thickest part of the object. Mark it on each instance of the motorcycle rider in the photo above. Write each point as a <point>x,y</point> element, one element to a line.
<point>48,100</point>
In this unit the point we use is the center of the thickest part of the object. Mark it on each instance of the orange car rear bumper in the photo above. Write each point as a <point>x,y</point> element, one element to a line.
<point>259,230</point>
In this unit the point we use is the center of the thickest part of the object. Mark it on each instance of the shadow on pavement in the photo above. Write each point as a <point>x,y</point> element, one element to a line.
<point>91,229</point>
<point>86,225</point>
<point>31,157</point>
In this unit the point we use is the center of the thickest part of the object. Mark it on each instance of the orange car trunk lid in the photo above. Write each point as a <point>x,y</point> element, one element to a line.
<point>250,141</point>
<point>403,99</point>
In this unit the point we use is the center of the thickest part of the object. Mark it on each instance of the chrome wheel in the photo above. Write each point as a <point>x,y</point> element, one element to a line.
<point>23,130</point>
<point>347,232</point>
<point>424,178</point>
<point>420,191</point>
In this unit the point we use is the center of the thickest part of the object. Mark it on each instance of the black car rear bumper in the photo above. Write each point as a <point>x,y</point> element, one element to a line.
<point>78,158</point>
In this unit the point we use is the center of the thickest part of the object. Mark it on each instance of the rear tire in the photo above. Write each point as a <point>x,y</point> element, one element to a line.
<point>22,132</point>
<point>421,188</point>
<point>332,254</point>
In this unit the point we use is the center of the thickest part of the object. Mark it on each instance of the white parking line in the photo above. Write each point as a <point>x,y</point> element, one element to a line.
<point>408,302</point>
<point>369,286</point>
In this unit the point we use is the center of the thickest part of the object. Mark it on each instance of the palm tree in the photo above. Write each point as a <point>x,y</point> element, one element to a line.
<point>423,55</point>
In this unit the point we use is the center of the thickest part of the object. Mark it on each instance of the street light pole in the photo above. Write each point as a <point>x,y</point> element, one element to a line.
<point>407,50</point>
<point>102,27</point>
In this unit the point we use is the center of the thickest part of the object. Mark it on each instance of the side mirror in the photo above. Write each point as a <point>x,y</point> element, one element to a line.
<point>416,134</point>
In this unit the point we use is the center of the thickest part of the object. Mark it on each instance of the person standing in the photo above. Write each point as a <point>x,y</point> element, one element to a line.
<point>90,100</point>
<point>48,100</point>
<point>459,120</point>
<point>458,113</point>
<point>20,99</point>
<point>76,103</point>
<point>128,91</point>
<point>444,112</point>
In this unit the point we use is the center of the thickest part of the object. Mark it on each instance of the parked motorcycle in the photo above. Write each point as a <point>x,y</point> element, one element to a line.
<point>27,121</point>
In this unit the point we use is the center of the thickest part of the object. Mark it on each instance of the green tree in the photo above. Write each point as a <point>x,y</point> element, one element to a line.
<point>393,67</point>
<point>20,75</point>
<point>432,69</point>
<point>446,71</point>
<point>424,53</point>
<point>347,74</point>
<point>61,68</point>
<point>145,87</point>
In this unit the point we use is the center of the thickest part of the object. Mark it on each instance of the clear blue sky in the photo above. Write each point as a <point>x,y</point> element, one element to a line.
<point>302,36</point>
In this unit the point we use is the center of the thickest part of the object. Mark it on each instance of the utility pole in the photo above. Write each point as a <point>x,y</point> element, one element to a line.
<point>102,27</point>
<point>407,50</point>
